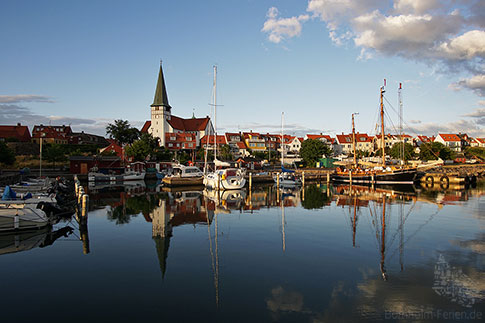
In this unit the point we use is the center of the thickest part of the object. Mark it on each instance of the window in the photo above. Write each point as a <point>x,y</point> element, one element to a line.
<point>188,138</point>
<point>190,145</point>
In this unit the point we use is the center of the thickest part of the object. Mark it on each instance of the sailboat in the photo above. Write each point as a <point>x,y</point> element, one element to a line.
<point>381,174</point>
<point>226,178</point>
<point>287,177</point>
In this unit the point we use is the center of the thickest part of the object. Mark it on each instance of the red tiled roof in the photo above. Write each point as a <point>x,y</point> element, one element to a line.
<point>327,137</point>
<point>193,124</point>
<point>359,137</point>
<point>20,132</point>
<point>221,139</point>
<point>241,145</point>
<point>481,140</point>
<point>424,138</point>
<point>56,132</point>
<point>146,126</point>
<point>449,137</point>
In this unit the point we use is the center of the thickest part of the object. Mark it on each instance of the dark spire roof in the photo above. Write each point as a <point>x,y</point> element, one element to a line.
<point>161,98</point>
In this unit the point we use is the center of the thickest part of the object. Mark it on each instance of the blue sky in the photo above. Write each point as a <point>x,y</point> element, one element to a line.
<point>86,63</point>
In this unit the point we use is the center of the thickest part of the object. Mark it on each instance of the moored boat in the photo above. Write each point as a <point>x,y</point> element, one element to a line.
<point>382,174</point>
<point>184,176</point>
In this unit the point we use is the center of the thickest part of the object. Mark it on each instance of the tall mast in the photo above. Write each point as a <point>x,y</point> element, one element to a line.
<point>353,138</point>
<point>401,121</point>
<point>383,141</point>
<point>383,239</point>
<point>282,140</point>
<point>215,112</point>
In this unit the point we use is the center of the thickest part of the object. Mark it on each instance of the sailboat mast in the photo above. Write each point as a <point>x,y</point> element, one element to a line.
<point>215,112</point>
<point>383,141</point>
<point>353,139</point>
<point>282,140</point>
<point>401,132</point>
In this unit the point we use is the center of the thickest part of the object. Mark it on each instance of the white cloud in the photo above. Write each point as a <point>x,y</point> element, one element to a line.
<point>415,6</point>
<point>464,47</point>
<point>481,102</point>
<point>447,35</point>
<point>478,113</point>
<point>475,83</point>
<point>25,98</point>
<point>282,28</point>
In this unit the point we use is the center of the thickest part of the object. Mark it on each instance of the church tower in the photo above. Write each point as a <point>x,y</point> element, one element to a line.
<point>160,110</point>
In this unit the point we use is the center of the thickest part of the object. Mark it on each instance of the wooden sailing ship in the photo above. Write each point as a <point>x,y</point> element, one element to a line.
<point>379,174</point>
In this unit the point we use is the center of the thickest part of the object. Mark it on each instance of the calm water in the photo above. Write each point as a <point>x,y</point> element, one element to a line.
<point>318,254</point>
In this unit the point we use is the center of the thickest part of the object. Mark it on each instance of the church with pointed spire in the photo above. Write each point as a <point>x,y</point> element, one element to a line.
<point>175,133</point>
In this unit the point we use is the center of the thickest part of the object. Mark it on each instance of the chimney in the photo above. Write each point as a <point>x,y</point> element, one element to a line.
<point>18,124</point>
<point>321,134</point>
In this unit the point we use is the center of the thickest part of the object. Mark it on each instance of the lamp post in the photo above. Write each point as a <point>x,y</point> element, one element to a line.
<point>40,163</point>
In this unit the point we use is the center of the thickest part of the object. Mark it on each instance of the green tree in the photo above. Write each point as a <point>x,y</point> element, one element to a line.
<point>162,154</point>
<point>225,151</point>
<point>122,132</point>
<point>54,153</point>
<point>200,154</point>
<point>396,151</point>
<point>471,152</point>
<point>142,148</point>
<point>7,156</point>
<point>315,198</point>
<point>431,151</point>
<point>312,150</point>
<point>183,157</point>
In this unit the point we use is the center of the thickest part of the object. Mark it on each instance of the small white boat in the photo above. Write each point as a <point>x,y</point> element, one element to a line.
<point>287,179</point>
<point>21,216</point>
<point>225,179</point>
<point>127,176</point>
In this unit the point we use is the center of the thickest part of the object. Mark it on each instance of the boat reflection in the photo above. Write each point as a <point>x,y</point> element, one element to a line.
<point>11,242</point>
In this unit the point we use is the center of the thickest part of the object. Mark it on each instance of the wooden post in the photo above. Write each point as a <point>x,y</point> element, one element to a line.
<point>278,179</point>
<point>218,182</point>
<point>303,178</point>
<point>350,178</point>
<point>328,177</point>
<point>250,181</point>
<point>84,206</point>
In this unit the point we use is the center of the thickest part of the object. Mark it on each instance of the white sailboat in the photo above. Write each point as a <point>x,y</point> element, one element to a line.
<point>226,178</point>
<point>287,177</point>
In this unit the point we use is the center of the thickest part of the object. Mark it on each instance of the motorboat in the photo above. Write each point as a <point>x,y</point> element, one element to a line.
<point>184,175</point>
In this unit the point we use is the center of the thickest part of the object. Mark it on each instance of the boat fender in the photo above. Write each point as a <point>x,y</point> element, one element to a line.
<point>430,180</point>
<point>444,182</point>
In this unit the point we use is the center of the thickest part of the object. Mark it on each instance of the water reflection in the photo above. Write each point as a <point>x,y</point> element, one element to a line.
<point>11,242</point>
<point>400,251</point>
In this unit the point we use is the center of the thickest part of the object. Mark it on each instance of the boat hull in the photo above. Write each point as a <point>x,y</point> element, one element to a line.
<point>22,217</point>
<point>394,177</point>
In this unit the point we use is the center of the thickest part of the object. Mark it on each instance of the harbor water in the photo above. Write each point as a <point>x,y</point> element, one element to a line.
<point>318,254</point>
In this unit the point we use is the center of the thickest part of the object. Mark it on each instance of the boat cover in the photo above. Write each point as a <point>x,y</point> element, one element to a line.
<point>284,170</point>
<point>8,194</point>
